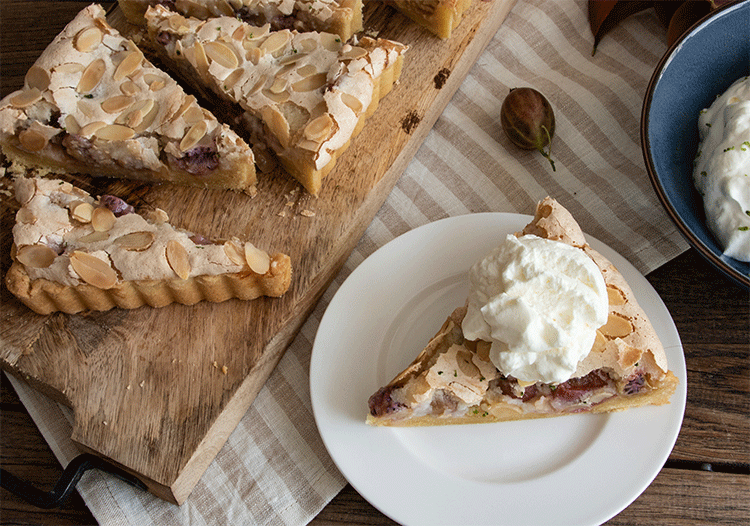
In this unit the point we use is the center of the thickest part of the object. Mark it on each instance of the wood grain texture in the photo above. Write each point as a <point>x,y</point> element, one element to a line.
<point>147,386</point>
<point>682,493</point>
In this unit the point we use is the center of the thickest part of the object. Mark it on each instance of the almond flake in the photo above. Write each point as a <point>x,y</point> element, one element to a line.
<point>37,77</point>
<point>81,211</point>
<point>128,65</point>
<point>25,98</point>
<point>319,129</point>
<point>32,140</point>
<point>25,216</point>
<point>114,132</point>
<point>310,83</point>
<point>93,270</point>
<point>130,88</point>
<point>88,39</point>
<point>137,241</point>
<point>177,257</point>
<point>103,219</point>
<point>276,41</point>
<point>94,237</point>
<point>221,54</point>
<point>258,260</point>
<point>91,76</point>
<point>117,103</point>
<point>616,327</point>
<point>193,136</point>
<point>235,253</point>
<point>353,102</point>
<point>36,256</point>
<point>277,123</point>
<point>71,125</point>
<point>91,128</point>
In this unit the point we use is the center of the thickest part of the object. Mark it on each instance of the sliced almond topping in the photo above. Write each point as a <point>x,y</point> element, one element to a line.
<point>103,219</point>
<point>275,42</point>
<point>91,128</point>
<point>222,54</point>
<point>130,88</point>
<point>353,102</point>
<point>25,98</point>
<point>81,211</point>
<point>307,70</point>
<point>306,144</point>
<point>148,118</point>
<point>254,54</point>
<point>91,76</point>
<point>292,59</point>
<point>36,256</point>
<point>308,45</point>
<point>193,115</point>
<point>201,60</point>
<point>233,78</point>
<point>94,237</point>
<point>25,216</point>
<point>258,260</point>
<point>310,83</point>
<point>615,295</point>
<point>320,128</point>
<point>117,103</point>
<point>114,132</point>
<point>239,33</point>
<point>600,342</point>
<point>330,41</point>
<point>276,97</point>
<point>616,326</point>
<point>159,216</point>
<point>71,125</point>
<point>235,253</point>
<point>277,123</point>
<point>177,257</point>
<point>129,64</point>
<point>32,140</point>
<point>137,241</point>
<point>69,68</point>
<point>224,8</point>
<point>353,53</point>
<point>193,136</point>
<point>189,101</point>
<point>256,87</point>
<point>88,39</point>
<point>93,270</point>
<point>279,85</point>
<point>37,77</point>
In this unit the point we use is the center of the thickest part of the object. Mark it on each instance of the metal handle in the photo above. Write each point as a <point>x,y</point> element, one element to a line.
<point>67,482</point>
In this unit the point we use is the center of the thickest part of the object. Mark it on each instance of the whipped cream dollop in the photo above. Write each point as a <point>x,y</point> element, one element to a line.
<point>722,168</point>
<point>539,303</point>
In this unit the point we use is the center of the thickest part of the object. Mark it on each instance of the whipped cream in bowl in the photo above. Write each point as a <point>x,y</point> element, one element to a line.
<point>539,303</point>
<point>722,168</point>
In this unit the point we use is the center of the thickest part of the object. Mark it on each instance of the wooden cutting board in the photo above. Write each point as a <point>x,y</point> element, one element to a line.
<point>158,391</point>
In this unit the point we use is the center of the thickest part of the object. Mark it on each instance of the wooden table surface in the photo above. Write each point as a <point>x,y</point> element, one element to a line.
<point>705,481</point>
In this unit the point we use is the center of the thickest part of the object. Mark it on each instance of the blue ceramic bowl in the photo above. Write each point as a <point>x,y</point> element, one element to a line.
<point>702,64</point>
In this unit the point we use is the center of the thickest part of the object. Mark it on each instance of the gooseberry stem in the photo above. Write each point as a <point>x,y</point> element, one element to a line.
<point>548,153</point>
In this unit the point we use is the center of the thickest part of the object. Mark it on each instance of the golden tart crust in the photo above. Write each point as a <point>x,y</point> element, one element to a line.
<point>93,104</point>
<point>72,252</point>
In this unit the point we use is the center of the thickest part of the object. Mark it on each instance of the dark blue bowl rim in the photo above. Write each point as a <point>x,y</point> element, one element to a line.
<point>691,238</point>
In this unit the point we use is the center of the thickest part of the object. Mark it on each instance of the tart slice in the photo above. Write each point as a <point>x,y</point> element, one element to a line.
<point>93,104</point>
<point>437,16</point>
<point>341,17</point>
<point>592,349</point>
<point>304,95</point>
<point>72,252</point>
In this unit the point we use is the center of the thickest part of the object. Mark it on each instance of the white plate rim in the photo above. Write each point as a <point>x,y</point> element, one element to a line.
<point>380,462</point>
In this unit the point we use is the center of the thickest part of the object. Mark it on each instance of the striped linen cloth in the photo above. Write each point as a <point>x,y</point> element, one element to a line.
<point>274,468</point>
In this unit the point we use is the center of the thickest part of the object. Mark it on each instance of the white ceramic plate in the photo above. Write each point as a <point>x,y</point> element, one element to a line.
<point>574,470</point>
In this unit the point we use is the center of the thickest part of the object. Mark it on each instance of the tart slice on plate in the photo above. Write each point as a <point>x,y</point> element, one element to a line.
<point>72,252</point>
<point>550,328</point>
<point>93,104</point>
<point>303,95</point>
<point>341,17</point>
